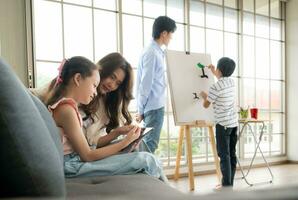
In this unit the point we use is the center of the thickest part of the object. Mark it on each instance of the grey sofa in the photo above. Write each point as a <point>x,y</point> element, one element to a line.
<point>31,161</point>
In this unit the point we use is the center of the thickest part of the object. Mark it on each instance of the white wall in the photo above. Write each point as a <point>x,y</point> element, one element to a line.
<point>13,36</point>
<point>292,78</point>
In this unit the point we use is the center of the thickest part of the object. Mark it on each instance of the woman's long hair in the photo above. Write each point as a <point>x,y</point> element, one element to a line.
<point>67,70</point>
<point>115,102</point>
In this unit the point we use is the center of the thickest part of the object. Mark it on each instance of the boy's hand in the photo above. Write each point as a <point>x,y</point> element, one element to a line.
<point>212,68</point>
<point>206,103</point>
<point>203,95</point>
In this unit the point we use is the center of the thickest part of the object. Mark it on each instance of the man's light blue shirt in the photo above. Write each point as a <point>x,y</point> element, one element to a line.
<point>151,83</point>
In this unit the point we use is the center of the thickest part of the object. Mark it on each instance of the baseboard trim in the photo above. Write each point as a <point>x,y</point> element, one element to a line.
<point>184,173</point>
<point>293,161</point>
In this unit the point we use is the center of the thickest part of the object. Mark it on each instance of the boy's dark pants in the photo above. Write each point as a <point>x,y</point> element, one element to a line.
<point>226,139</point>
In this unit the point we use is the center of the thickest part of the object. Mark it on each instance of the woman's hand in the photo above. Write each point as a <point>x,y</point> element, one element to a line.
<point>133,134</point>
<point>123,130</point>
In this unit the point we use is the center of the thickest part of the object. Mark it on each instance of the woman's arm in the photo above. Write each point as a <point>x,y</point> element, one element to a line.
<point>66,118</point>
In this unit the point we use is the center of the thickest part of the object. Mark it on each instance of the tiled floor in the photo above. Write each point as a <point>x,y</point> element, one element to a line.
<point>283,174</point>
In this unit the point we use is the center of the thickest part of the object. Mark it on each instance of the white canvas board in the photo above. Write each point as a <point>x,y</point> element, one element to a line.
<point>185,78</point>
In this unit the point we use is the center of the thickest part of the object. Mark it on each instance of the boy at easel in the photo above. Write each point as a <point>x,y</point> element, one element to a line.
<point>222,96</point>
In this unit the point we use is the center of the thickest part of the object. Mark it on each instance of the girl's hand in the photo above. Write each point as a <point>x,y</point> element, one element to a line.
<point>133,134</point>
<point>123,130</point>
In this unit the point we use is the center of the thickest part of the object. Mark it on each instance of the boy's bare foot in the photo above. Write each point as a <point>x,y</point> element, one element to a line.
<point>218,187</point>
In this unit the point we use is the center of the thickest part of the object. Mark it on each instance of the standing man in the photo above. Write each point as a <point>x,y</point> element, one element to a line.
<point>151,82</point>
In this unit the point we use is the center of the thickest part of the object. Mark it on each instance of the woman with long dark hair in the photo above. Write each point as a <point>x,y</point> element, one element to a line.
<point>108,112</point>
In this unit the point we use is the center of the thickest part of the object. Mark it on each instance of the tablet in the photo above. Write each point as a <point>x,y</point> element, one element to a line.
<point>130,147</point>
<point>144,131</point>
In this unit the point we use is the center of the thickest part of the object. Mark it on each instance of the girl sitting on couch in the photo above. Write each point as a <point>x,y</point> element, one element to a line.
<point>76,84</point>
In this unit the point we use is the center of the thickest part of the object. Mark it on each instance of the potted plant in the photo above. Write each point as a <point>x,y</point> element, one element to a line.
<point>243,112</point>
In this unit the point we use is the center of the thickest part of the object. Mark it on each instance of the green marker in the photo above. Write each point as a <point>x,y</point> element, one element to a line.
<point>199,65</point>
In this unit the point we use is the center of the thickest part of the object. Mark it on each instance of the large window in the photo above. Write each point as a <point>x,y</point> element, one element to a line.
<point>249,31</point>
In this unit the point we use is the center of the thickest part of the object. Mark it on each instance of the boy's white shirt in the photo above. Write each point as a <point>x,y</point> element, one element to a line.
<point>233,118</point>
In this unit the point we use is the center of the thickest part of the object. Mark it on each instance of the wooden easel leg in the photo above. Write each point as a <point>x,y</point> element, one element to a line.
<point>216,160</point>
<point>189,158</point>
<point>179,152</point>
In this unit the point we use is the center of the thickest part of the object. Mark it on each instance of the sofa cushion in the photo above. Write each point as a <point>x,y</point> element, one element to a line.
<point>140,186</point>
<point>50,123</point>
<point>30,162</point>
<point>137,186</point>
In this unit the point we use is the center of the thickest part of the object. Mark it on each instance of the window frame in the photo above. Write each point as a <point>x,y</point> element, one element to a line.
<point>186,24</point>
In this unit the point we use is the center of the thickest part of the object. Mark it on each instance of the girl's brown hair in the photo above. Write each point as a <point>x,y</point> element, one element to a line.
<point>115,102</point>
<point>72,66</point>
